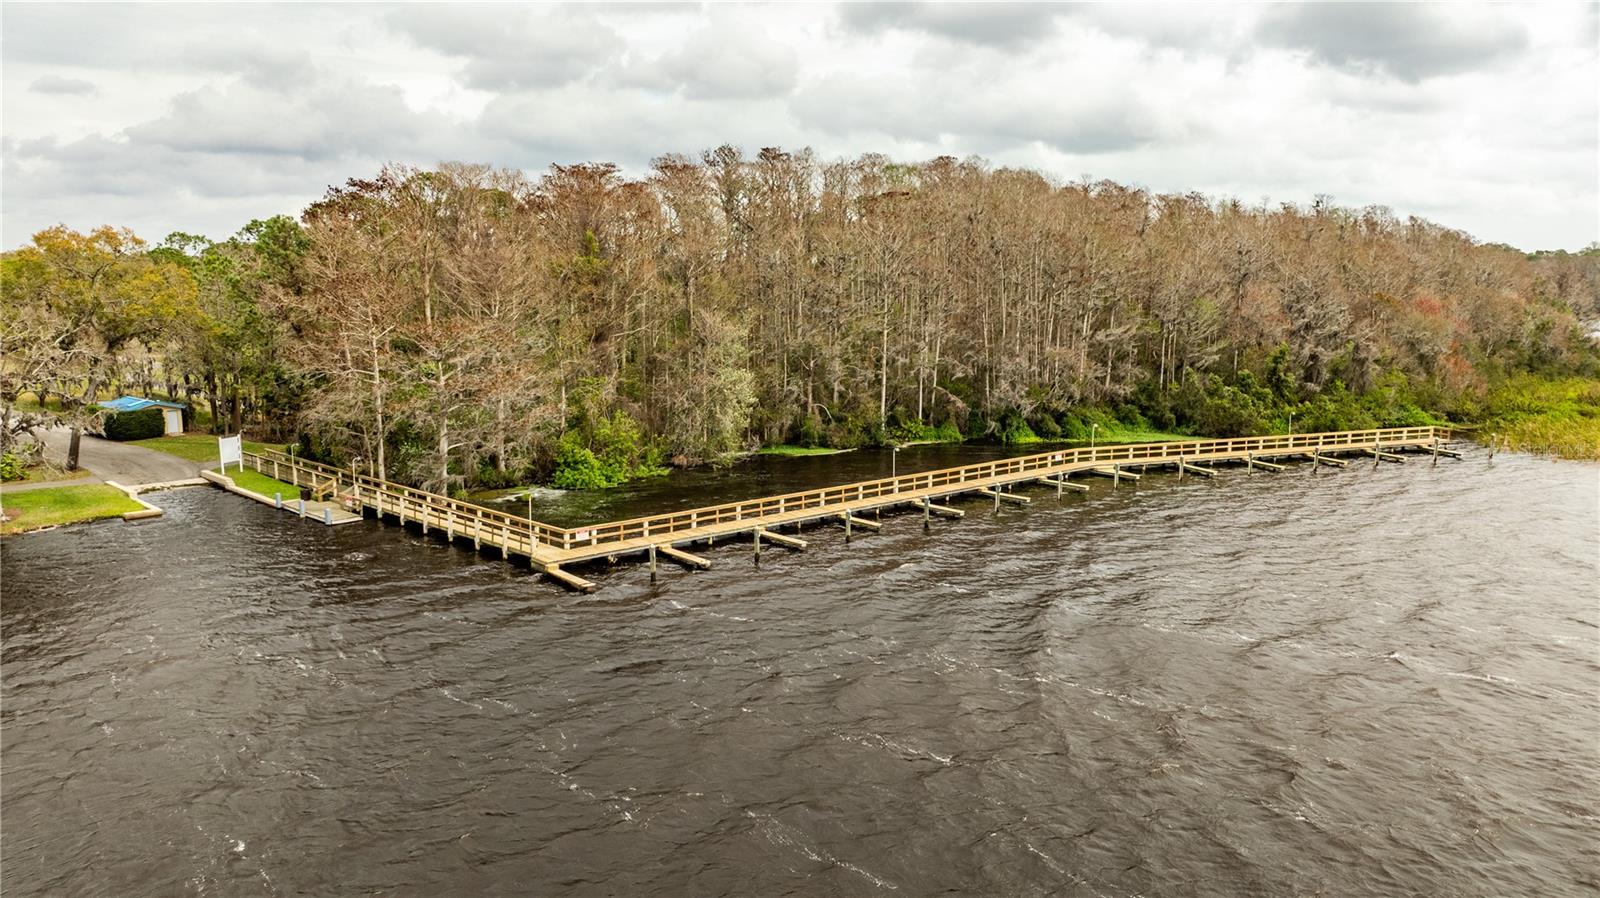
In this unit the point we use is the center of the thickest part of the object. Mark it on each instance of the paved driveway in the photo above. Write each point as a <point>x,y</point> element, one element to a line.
<point>109,460</point>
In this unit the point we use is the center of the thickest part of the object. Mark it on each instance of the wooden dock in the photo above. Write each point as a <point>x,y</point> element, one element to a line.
<point>549,548</point>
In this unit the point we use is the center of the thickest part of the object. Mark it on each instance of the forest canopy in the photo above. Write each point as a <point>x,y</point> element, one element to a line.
<point>474,326</point>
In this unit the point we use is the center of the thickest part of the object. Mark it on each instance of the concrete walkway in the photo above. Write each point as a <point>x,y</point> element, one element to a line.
<point>110,460</point>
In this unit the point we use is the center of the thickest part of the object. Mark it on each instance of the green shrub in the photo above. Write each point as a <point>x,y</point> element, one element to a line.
<point>578,468</point>
<point>144,424</point>
<point>1015,431</point>
<point>916,432</point>
<point>609,452</point>
<point>12,467</point>
<point>810,433</point>
<point>1046,426</point>
<point>1073,428</point>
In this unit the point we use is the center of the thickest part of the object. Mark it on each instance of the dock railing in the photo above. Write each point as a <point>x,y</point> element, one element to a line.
<point>953,479</point>
<point>526,536</point>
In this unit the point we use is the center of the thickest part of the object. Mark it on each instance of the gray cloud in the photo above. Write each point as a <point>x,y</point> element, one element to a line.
<point>932,111</point>
<point>57,84</point>
<point>721,63</point>
<point>328,120</point>
<point>999,24</point>
<point>1410,41</point>
<point>508,46</point>
<point>231,112</point>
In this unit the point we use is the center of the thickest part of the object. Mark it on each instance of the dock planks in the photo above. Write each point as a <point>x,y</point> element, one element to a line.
<point>548,548</point>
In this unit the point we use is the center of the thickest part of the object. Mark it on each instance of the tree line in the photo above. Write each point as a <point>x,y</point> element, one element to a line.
<point>470,325</point>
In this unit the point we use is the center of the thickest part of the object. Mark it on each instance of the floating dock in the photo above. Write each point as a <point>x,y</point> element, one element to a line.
<point>549,548</point>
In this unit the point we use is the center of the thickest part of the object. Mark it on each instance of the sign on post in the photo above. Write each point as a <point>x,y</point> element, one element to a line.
<point>231,449</point>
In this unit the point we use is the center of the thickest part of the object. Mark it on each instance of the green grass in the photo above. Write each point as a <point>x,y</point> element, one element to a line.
<point>63,505</point>
<point>1135,435</point>
<point>29,402</point>
<point>260,483</point>
<point>198,447</point>
<point>798,451</point>
<point>1531,414</point>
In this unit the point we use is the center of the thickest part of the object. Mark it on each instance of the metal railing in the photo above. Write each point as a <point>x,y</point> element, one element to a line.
<point>526,536</point>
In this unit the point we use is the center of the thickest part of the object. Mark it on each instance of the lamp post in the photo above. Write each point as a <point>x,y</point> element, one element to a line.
<point>894,460</point>
<point>1291,424</point>
<point>1093,428</point>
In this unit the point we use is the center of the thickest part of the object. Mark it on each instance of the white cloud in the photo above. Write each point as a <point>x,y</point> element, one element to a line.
<point>1481,117</point>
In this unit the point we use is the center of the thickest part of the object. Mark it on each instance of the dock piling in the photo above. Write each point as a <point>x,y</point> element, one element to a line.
<point>549,547</point>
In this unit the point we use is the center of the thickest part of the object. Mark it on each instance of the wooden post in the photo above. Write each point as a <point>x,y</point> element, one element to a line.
<point>1180,465</point>
<point>996,501</point>
<point>847,526</point>
<point>1436,452</point>
<point>1494,441</point>
<point>1377,454</point>
<point>1116,476</point>
<point>327,516</point>
<point>1058,485</point>
<point>277,498</point>
<point>477,533</point>
<point>652,563</point>
<point>757,540</point>
<point>302,508</point>
<point>927,514</point>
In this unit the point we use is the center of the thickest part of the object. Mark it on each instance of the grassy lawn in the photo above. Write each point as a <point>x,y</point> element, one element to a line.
<point>64,505</point>
<point>798,451</point>
<point>198,447</point>
<point>261,483</point>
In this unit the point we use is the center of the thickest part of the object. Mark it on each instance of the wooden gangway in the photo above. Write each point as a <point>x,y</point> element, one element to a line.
<point>548,547</point>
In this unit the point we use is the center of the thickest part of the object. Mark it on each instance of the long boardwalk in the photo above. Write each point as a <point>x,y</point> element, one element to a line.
<point>549,548</point>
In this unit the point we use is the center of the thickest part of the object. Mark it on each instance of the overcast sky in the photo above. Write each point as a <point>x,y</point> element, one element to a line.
<point>199,118</point>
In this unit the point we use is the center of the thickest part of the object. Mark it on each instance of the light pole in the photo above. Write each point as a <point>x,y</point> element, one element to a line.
<point>894,460</point>
<point>1291,424</point>
<point>1092,429</point>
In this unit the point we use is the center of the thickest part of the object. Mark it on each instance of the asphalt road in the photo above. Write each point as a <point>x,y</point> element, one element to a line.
<point>110,460</point>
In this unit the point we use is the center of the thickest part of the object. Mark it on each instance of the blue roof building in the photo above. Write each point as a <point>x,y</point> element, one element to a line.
<point>139,403</point>
<point>171,412</point>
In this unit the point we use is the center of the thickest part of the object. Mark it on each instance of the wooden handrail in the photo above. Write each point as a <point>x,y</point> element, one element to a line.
<point>534,532</point>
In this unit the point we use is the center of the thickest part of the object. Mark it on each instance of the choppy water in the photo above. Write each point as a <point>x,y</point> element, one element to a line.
<point>1364,682</point>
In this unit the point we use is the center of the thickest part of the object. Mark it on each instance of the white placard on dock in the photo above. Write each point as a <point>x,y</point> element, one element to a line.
<point>231,449</point>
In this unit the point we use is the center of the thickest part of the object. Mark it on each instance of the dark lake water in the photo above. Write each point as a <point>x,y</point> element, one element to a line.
<point>1363,682</point>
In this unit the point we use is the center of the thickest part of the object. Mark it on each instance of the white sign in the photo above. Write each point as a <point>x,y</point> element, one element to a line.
<point>231,449</point>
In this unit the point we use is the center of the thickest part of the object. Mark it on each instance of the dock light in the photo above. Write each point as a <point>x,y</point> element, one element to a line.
<point>1093,428</point>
